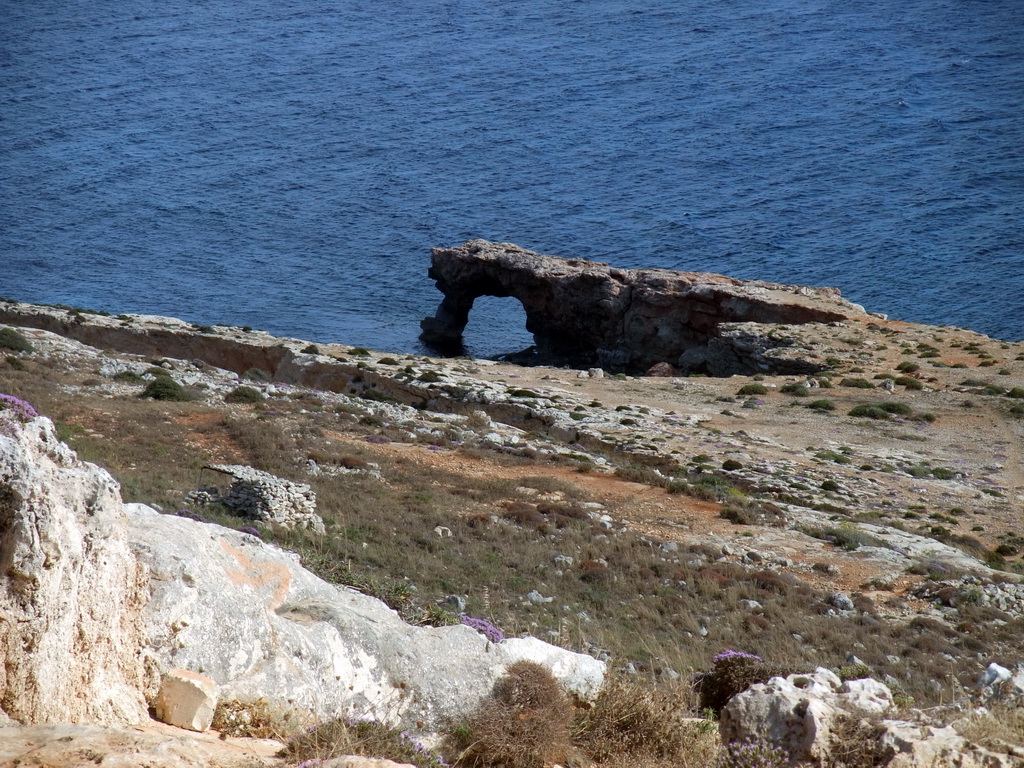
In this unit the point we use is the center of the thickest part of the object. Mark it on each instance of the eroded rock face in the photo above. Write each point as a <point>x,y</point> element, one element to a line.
<point>98,599</point>
<point>72,595</point>
<point>587,312</point>
<point>247,615</point>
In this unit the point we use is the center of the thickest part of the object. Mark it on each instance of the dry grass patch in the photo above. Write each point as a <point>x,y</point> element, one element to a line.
<point>638,724</point>
<point>998,728</point>
<point>524,723</point>
<point>255,720</point>
<point>338,738</point>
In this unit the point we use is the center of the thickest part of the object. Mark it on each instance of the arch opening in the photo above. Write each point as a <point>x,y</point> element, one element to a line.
<point>496,327</point>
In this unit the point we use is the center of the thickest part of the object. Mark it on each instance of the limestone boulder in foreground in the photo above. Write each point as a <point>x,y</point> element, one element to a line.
<point>100,600</point>
<point>247,615</point>
<point>72,594</point>
<point>801,713</point>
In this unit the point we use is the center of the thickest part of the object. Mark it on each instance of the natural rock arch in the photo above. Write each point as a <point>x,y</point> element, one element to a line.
<point>586,313</point>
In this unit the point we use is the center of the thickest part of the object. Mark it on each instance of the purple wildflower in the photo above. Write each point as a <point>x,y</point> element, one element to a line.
<point>14,410</point>
<point>188,513</point>
<point>251,531</point>
<point>754,753</point>
<point>731,654</point>
<point>377,439</point>
<point>492,633</point>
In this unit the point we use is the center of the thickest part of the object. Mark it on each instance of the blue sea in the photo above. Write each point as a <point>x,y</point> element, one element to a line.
<point>288,165</point>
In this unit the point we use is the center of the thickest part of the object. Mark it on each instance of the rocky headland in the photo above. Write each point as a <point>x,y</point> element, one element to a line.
<point>843,500</point>
<point>588,313</point>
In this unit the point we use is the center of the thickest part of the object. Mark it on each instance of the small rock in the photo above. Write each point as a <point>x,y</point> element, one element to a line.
<point>456,602</point>
<point>994,675</point>
<point>536,598</point>
<point>662,370</point>
<point>840,601</point>
<point>186,700</point>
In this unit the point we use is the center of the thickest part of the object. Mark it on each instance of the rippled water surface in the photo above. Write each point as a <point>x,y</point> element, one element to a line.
<point>289,165</point>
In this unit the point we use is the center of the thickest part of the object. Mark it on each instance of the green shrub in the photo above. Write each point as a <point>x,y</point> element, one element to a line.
<point>256,374</point>
<point>14,341</point>
<point>908,366</point>
<point>732,464</point>
<point>845,536</point>
<point>523,393</point>
<point>129,377</point>
<point>868,411</point>
<point>166,388</point>
<point>795,388</point>
<point>821,405</point>
<point>311,349</point>
<point>909,382</point>
<point>856,383</point>
<point>243,394</point>
<point>387,361</point>
<point>900,409</point>
<point>1017,393</point>
<point>752,389</point>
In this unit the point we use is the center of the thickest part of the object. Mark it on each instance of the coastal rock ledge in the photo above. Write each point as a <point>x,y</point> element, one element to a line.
<point>588,313</point>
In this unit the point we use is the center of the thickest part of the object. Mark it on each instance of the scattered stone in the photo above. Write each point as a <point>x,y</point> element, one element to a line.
<point>536,598</point>
<point>456,602</point>
<point>186,700</point>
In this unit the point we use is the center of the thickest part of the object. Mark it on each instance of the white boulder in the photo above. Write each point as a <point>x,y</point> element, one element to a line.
<point>187,700</point>
<point>247,615</point>
<point>798,712</point>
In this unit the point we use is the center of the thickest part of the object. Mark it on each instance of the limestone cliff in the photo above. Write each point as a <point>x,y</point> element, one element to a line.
<point>71,593</point>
